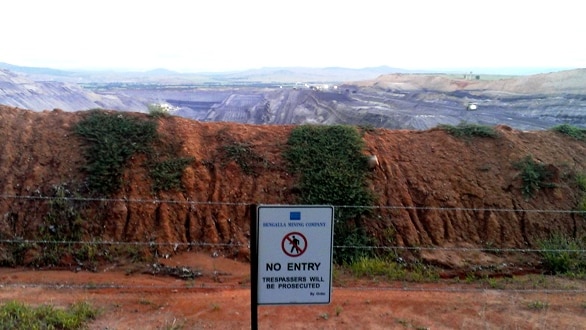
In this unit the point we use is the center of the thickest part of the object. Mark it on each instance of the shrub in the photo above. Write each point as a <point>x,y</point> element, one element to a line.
<point>534,176</point>
<point>333,170</point>
<point>244,155</point>
<point>63,222</point>
<point>167,174</point>
<point>157,110</point>
<point>572,131</point>
<point>464,130</point>
<point>112,139</point>
<point>581,182</point>
<point>563,255</point>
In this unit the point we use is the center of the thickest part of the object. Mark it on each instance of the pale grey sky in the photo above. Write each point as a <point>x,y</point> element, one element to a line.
<point>223,35</point>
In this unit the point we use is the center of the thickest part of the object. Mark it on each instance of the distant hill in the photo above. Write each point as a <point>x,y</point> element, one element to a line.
<point>19,91</point>
<point>567,81</point>
<point>161,75</point>
<point>303,74</point>
<point>34,70</point>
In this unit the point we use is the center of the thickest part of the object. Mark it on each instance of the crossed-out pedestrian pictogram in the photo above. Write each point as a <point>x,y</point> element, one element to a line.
<point>294,244</point>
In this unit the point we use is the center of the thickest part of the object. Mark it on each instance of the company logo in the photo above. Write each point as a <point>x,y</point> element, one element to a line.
<point>294,216</point>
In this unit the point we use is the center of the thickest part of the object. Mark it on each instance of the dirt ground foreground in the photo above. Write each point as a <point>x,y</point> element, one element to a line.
<point>220,299</point>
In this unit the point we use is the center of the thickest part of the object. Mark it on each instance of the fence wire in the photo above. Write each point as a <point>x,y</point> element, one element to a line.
<point>224,203</point>
<point>409,287</point>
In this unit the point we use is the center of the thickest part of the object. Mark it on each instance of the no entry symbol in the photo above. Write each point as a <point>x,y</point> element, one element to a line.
<point>294,244</point>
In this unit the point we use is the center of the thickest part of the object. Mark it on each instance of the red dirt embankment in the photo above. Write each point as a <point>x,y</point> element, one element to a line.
<point>437,190</point>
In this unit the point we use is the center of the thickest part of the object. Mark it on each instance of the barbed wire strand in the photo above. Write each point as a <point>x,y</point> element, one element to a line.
<point>194,202</point>
<point>238,245</point>
<point>206,286</point>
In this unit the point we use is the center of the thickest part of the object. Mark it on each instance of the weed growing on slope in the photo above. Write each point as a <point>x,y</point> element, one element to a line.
<point>564,255</point>
<point>166,174</point>
<point>534,175</point>
<point>464,130</point>
<point>244,155</point>
<point>581,183</point>
<point>571,131</point>
<point>112,140</point>
<point>333,170</point>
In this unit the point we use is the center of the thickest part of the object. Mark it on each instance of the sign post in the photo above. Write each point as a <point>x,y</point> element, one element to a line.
<point>294,254</point>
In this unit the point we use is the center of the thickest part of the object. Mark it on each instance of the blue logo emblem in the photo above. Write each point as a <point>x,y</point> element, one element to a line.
<point>295,216</point>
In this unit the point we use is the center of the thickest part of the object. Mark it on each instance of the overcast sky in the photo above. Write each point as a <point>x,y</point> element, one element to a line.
<point>224,35</point>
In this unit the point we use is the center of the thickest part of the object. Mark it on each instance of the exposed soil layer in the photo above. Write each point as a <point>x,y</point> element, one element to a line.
<point>434,190</point>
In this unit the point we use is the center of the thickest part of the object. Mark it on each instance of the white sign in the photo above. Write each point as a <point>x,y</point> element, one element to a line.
<point>294,254</point>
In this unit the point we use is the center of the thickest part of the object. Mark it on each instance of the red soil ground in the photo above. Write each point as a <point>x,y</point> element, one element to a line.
<point>130,300</point>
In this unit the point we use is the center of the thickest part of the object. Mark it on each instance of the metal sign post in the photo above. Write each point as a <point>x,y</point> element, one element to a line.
<point>253,268</point>
<point>294,254</point>
<point>291,255</point>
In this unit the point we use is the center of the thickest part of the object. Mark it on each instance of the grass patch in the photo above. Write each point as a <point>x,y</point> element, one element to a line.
<point>392,271</point>
<point>16,315</point>
<point>537,305</point>
<point>244,155</point>
<point>166,174</point>
<point>564,255</point>
<point>571,131</point>
<point>333,170</point>
<point>464,130</point>
<point>534,176</point>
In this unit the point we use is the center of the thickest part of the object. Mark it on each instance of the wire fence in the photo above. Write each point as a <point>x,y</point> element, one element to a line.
<point>408,287</point>
<point>187,201</point>
<point>404,286</point>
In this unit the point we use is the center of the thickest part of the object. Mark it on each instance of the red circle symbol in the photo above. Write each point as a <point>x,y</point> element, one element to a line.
<point>294,244</point>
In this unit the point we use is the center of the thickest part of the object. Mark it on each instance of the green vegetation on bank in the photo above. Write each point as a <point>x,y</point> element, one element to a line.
<point>391,270</point>
<point>157,110</point>
<point>581,182</point>
<point>534,176</point>
<point>571,131</point>
<point>465,130</point>
<point>166,174</point>
<point>333,170</point>
<point>244,155</point>
<point>113,139</point>
<point>564,255</point>
<point>15,315</point>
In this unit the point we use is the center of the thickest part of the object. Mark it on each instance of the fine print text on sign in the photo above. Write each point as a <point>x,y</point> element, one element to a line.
<point>294,254</point>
